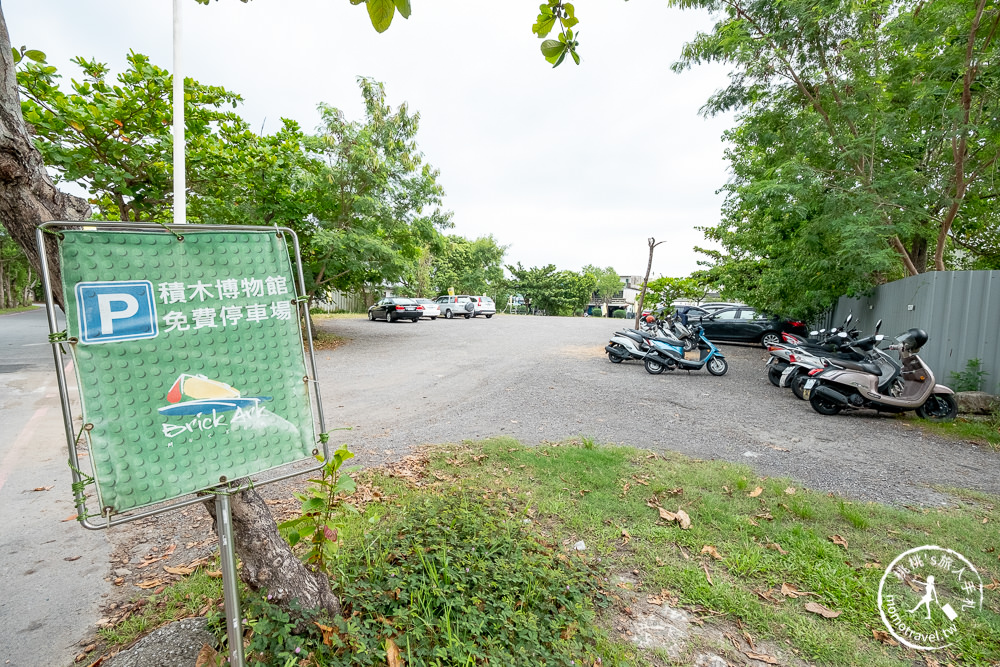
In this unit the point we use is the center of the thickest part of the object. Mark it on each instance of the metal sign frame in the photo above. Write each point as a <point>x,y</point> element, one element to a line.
<point>60,354</point>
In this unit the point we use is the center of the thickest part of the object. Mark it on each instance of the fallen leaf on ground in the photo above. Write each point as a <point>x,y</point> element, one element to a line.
<point>683,519</point>
<point>756,492</point>
<point>837,539</point>
<point>392,655</point>
<point>71,558</point>
<point>150,583</point>
<point>207,657</point>
<point>769,596</point>
<point>711,551</point>
<point>776,547</point>
<point>708,575</point>
<point>817,608</point>
<point>215,574</point>
<point>625,536</point>
<point>766,516</point>
<point>327,633</point>
<point>46,488</point>
<point>792,592</point>
<point>760,656</point>
<point>668,516</point>
<point>69,518</point>
<point>883,636</point>
<point>993,586</point>
<point>625,488</point>
<point>790,490</point>
<point>182,570</point>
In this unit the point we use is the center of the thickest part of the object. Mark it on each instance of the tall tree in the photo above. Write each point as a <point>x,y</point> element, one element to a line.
<point>470,267</point>
<point>378,203</point>
<point>114,137</point>
<point>865,133</point>
<point>608,283</point>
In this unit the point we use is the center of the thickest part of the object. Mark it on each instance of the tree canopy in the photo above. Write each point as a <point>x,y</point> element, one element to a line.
<point>865,141</point>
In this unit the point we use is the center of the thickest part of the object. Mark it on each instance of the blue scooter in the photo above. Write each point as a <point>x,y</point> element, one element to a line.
<point>664,356</point>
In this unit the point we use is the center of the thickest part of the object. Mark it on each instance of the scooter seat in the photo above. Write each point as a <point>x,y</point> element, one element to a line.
<point>857,366</point>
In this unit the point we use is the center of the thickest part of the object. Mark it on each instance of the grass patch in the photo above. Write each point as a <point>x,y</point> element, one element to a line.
<point>326,341</point>
<point>319,317</point>
<point>193,595</point>
<point>979,430</point>
<point>476,564</point>
<point>19,309</point>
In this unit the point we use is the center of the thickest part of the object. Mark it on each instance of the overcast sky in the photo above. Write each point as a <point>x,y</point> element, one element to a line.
<point>569,166</point>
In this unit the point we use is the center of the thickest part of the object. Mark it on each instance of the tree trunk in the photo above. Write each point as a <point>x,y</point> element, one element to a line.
<point>268,561</point>
<point>645,280</point>
<point>918,253</point>
<point>27,194</point>
<point>28,198</point>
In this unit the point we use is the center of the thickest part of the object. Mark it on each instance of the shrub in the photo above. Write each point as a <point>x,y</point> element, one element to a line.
<point>620,314</point>
<point>971,379</point>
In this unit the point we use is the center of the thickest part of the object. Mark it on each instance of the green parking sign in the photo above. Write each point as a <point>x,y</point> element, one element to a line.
<point>188,356</point>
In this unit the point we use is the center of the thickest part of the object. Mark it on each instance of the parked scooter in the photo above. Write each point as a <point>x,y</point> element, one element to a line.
<point>632,343</point>
<point>666,355</point>
<point>804,366</point>
<point>848,384</point>
<point>836,343</point>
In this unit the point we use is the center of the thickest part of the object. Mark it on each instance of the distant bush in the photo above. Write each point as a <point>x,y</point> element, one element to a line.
<point>620,314</point>
<point>971,379</point>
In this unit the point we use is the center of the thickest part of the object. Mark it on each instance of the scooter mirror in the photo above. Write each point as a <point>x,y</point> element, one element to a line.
<point>878,325</point>
<point>850,318</point>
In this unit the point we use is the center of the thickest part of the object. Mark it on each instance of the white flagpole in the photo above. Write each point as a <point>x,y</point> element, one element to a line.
<point>180,185</point>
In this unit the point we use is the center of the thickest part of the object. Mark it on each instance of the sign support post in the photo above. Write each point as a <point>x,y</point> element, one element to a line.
<point>230,590</point>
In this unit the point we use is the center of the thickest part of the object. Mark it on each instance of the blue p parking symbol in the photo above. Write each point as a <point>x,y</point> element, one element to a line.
<point>116,310</point>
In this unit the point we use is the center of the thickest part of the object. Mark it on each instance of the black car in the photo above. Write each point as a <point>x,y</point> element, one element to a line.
<point>394,308</point>
<point>746,325</point>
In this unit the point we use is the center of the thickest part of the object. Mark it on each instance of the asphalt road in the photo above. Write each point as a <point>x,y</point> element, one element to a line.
<point>53,571</point>
<point>544,378</point>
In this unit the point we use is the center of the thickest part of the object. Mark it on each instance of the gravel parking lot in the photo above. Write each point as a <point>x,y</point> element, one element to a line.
<point>547,378</point>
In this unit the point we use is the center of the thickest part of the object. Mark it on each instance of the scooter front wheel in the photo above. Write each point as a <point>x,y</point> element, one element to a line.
<point>939,407</point>
<point>773,374</point>
<point>654,367</point>
<point>614,358</point>
<point>718,366</point>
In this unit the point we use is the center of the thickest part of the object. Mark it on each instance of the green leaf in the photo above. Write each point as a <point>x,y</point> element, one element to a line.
<point>543,26</point>
<point>293,538</point>
<point>576,57</point>
<point>312,505</point>
<point>36,55</point>
<point>404,8</point>
<point>381,12</point>
<point>17,55</point>
<point>552,48</point>
<point>345,485</point>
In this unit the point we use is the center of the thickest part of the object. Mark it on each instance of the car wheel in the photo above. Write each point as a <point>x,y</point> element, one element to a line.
<point>433,318</point>
<point>654,367</point>
<point>388,316</point>
<point>770,338</point>
<point>774,375</point>
<point>717,366</point>
<point>488,316</point>
<point>371,316</point>
<point>448,315</point>
<point>468,317</point>
<point>939,407</point>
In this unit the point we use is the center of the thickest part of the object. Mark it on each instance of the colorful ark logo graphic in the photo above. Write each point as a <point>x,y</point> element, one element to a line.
<point>204,395</point>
